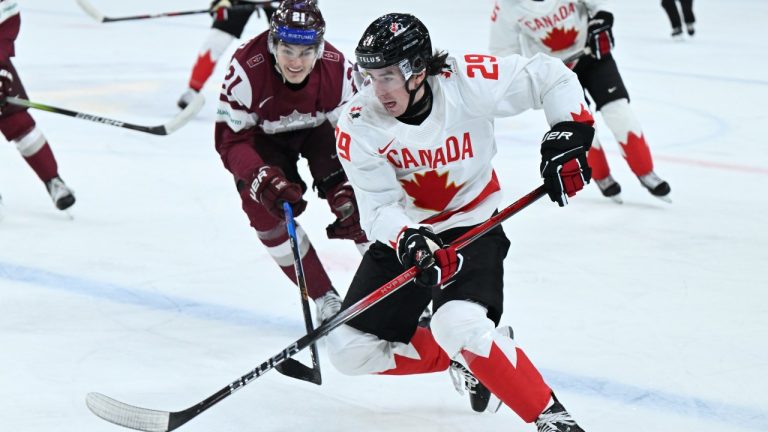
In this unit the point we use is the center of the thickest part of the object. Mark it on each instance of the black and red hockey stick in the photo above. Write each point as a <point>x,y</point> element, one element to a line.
<point>150,420</point>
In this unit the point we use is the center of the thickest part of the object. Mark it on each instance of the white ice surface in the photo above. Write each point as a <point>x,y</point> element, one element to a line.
<point>643,317</point>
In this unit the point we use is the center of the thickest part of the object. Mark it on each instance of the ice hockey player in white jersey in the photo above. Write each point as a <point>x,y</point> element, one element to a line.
<point>417,145</point>
<point>563,28</point>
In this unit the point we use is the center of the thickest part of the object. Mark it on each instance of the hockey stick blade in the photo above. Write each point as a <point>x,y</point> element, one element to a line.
<point>90,10</point>
<point>171,126</point>
<point>149,420</point>
<point>296,369</point>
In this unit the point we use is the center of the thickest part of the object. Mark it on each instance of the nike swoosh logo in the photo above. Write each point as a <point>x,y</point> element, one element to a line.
<point>612,89</point>
<point>264,101</point>
<point>383,150</point>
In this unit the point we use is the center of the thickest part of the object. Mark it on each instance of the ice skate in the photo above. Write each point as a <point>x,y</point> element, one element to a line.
<point>677,33</point>
<point>328,305</point>
<point>656,186</point>
<point>425,318</point>
<point>61,194</point>
<point>610,189</point>
<point>556,419</point>
<point>690,29</point>
<point>480,398</point>
<point>186,98</point>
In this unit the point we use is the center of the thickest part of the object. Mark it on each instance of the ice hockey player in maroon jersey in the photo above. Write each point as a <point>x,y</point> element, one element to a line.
<point>16,124</point>
<point>562,29</point>
<point>228,25</point>
<point>417,144</point>
<point>280,100</point>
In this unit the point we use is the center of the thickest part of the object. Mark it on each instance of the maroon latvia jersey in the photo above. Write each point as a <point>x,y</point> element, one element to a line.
<point>255,101</point>
<point>9,27</point>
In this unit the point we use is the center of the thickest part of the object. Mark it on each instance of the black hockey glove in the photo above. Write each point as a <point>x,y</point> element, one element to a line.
<point>600,34</point>
<point>436,262</point>
<point>564,160</point>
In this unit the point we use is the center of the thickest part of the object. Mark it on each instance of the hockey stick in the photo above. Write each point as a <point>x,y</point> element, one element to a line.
<point>291,367</point>
<point>98,16</point>
<point>576,56</point>
<point>171,126</point>
<point>150,420</point>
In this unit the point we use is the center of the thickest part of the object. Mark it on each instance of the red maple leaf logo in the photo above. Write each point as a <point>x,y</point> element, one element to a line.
<point>559,39</point>
<point>584,116</point>
<point>431,190</point>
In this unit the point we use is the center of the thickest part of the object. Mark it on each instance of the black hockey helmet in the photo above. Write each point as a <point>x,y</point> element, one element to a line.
<point>395,38</point>
<point>297,22</point>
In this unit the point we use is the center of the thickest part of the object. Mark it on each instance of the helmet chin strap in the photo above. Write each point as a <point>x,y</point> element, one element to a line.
<point>412,93</point>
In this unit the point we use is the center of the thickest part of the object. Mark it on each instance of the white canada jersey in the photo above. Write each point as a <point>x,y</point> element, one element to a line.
<point>8,8</point>
<point>439,173</point>
<point>554,27</point>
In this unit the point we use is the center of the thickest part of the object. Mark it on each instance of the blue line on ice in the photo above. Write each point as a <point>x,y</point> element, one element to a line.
<point>745,417</point>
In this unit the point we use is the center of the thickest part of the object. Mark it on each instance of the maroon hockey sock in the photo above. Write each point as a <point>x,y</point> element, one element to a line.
<point>202,71</point>
<point>430,358</point>
<point>317,279</point>
<point>43,163</point>
<point>598,163</point>
<point>515,381</point>
<point>637,154</point>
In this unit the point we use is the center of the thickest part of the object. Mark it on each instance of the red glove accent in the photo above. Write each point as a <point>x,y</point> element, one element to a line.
<point>270,188</point>
<point>449,261</point>
<point>572,177</point>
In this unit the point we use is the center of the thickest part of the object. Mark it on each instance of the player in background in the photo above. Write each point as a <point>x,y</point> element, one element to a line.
<point>228,25</point>
<point>563,28</point>
<point>670,6</point>
<point>16,124</point>
<point>417,144</point>
<point>281,99</point>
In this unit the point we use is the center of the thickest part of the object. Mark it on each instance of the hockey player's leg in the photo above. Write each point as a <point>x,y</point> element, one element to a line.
<point>354,352</point>
<point>601,173</point>
<point>273,235</point>
<point>19,128</point>
<point>621,119</point>
<point>464,331</point>
<point>688,17</point>
<point>210,52</point>
<point>670,7</point>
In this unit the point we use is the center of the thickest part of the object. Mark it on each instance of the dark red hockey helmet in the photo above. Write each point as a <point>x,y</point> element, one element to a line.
<point>297,22</point>
<point>395,38</point>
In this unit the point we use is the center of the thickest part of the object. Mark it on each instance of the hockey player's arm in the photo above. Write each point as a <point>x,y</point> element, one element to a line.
<point>537,82</point>
<point>236,125</point>
<point>505,31</point>
<point>377,190</point>
<point>347,91</point>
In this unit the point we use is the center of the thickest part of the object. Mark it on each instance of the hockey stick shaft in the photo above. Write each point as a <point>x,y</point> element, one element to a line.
<point>163,421</point>
<point>296,369</point>
<point>165,129</point>
<point>98,16</point>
